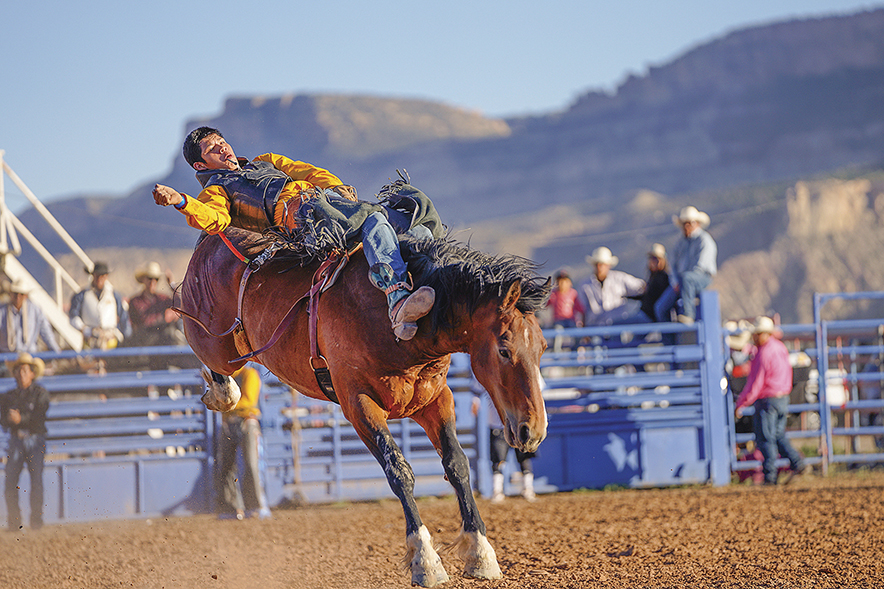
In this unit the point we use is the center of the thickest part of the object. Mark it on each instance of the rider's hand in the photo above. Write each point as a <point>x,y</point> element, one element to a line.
<point>165,195</point>
<point>346,191</point>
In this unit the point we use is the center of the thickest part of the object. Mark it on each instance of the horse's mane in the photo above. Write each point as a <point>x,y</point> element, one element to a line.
<point>466,276</point>
<point>461,276</point>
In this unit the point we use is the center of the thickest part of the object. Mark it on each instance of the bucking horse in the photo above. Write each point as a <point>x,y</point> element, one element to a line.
<point>338,345</point>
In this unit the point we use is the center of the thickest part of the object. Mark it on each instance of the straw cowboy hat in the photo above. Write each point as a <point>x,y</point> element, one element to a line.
<point>19,287</point>
<point>602,255</point>
<point>25,358</point>
<point>740,334</point>
<point>658,251</point>
<point>152,270</point>
<point>763,325</point>
<point>690,213</point>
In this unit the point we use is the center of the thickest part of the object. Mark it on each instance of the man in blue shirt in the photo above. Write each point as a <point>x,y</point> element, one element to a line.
<point>22,324</point>
<point>694,263</point>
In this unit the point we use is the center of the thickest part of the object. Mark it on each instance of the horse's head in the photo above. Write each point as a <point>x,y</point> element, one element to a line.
<point>505,354</point>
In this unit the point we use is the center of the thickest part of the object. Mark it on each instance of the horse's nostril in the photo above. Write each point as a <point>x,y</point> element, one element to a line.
<point>524,433</point>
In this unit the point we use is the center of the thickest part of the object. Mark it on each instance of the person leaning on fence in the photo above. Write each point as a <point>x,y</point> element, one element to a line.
<point>154,323</point>
<point>657,283</point>
<point>23,415</point>
<point>606,293</point>
<point>241,429</point>
<point>23,324</point>
<point>693,264</point>
<point>767,389</point>
<point>100,313</point>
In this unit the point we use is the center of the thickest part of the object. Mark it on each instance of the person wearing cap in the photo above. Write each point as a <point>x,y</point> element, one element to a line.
<point>150,312</point>
<point>241,430</point>
<point>23,324</point>
<point>606,293</point>
<point>767,388</point>
<point>693,264</point>
<point>100,313</point>
<point>564,300</point>
<point>23,416</point>
<point>657,283</point>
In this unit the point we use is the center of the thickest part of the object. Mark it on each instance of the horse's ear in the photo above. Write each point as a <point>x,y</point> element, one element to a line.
<point>513,292</point>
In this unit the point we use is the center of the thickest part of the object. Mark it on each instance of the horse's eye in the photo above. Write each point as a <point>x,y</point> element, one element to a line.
<point>504,353</point>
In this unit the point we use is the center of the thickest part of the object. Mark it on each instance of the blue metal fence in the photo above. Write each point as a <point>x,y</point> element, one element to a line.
<point>637,405</point>
<point>640,405</point>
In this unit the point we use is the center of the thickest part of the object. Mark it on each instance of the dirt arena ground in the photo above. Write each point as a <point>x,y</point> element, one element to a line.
<point>815,533</point>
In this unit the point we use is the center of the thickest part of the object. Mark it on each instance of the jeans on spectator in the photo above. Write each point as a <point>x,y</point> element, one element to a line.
<point>769,423</point>
<point>242,433</point>
<point>690,285</point>
<point>25,448</point>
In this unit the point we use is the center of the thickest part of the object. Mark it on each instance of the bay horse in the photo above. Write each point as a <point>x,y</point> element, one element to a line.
<point>485,306</point>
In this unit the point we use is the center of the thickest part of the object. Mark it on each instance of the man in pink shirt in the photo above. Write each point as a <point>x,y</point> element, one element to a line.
<point>767,388</point>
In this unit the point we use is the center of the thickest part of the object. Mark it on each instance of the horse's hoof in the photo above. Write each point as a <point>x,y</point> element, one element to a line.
<point>480,561</point>
<point>218,396</point>
<point>426,566</point>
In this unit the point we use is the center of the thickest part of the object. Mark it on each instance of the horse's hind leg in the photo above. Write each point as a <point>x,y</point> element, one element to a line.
<point>472,546</point>
<point>422,558</point>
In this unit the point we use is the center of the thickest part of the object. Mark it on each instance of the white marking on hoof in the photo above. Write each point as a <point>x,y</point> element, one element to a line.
<point>480,561</point>
<point>422,558</point>
<point>219,397</point>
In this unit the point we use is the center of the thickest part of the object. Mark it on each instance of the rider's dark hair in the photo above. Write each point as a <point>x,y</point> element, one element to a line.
<point>191,149</point>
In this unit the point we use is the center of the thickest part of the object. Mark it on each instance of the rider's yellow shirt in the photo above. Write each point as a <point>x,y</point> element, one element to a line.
<point>210,211</point>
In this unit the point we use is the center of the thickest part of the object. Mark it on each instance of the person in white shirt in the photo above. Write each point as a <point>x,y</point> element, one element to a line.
<point>101,314</point>
<point>606,293</point>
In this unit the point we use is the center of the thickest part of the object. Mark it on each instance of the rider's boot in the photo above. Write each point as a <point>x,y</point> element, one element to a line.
<point>406,307</point>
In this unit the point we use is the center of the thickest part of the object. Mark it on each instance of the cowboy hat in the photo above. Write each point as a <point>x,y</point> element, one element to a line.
<point>690,213</point>
<point>19,287</point>
<point>763,325</point>
<point>152,270</point>
<point>658,251</point>
<point>602,255</point>
<point>738,334</point>
<point>24,358</point>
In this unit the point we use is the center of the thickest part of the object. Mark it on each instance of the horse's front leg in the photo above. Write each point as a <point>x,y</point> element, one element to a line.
<point>422,558</point>
<point>472,546</point>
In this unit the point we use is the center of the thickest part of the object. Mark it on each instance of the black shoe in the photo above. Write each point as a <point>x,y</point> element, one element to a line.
<point>797,473</point>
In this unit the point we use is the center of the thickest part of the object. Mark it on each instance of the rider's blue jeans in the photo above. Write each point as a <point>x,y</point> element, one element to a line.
<point>381,244</point>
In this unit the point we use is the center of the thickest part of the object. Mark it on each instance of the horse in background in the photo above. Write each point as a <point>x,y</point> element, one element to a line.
<point>485,306</point>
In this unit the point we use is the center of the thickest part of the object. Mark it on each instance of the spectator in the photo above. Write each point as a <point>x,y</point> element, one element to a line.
<point>565,303</point>
<point>241,429</point>
<point>99,312</point>
<point>694,263</point>
<point>22,323</point>
<point>23,415</point>
<point>767,389</point>
<point>658,282</point>
<point>154,323</point>
<point>606,292</point>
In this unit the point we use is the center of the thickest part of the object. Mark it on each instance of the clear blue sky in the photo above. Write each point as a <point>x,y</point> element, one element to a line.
<point>96,94</point>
